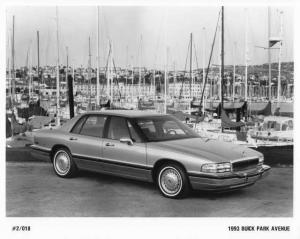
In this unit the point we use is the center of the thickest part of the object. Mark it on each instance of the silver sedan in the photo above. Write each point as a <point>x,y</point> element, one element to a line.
<point>150,147</point>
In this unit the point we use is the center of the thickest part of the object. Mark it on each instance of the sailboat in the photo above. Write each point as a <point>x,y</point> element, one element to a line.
<point>269,135</point>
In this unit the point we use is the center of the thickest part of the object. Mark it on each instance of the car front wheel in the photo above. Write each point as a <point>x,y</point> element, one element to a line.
<point>63,163</point>
<point>172,181</point>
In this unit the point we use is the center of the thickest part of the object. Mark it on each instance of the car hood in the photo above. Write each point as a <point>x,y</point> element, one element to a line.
<point>212,150</point>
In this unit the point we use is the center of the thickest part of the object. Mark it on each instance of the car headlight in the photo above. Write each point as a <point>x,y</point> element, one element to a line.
<point>216,167</point>
<point>261,159</point>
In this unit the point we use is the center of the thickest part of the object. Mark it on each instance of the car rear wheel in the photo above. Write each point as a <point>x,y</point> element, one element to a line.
<point>172,181</point>
<point>63,163</point>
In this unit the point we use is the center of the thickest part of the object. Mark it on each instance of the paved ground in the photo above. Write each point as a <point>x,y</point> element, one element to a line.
<point>34,190</point>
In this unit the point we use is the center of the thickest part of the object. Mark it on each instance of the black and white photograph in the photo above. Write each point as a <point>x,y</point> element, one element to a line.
<point>134,111</point>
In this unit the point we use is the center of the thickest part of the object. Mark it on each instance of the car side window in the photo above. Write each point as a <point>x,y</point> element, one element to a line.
<point>134,135</point>
<point>148,128</point>
<point>93,126</point>
<point>76,129</point>
<point>118,128</point>
<point>170,127</point>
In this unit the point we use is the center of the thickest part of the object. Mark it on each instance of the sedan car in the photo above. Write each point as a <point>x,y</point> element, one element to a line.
<point>150,147</point>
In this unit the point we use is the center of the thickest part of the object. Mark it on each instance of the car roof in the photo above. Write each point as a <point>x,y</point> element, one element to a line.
<point>125,113</point>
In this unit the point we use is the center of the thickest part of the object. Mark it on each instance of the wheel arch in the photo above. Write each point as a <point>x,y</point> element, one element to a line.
<point>163,161</point>
<point>56,147</point>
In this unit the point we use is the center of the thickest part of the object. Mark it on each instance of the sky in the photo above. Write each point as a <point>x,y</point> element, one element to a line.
<point>141,35</point>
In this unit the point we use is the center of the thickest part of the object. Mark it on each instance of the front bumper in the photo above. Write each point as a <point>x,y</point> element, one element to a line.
<point>214,182</point>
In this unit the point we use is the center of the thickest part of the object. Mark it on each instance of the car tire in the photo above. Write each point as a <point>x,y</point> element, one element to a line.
<point>63,163</point>
<point>172,181</point>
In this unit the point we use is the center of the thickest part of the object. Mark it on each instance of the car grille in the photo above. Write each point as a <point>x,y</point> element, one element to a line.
<point>245,164</point>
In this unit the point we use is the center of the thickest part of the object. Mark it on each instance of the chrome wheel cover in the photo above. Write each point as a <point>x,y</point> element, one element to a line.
<point>62,162</point>
<point>170,181</point>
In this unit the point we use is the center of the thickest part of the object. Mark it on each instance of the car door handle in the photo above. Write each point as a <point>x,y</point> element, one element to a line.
<point>72,138</point>
<point>109,144</point>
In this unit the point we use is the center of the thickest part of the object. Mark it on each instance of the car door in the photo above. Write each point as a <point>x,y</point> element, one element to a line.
<point>85,140</point>
<point>126,159</point>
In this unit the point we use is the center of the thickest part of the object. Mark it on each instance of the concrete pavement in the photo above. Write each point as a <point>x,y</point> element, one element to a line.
<point>34,190</point>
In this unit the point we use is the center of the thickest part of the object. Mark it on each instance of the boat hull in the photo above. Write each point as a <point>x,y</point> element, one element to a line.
<point>275,155</point>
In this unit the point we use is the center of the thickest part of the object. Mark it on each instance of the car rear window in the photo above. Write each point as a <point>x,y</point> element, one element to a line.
<point>76,129</point>
<point>93,125</point>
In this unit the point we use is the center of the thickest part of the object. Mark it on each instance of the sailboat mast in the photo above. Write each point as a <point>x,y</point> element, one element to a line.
<point>98,60</point>
<point>30,74</point>
<point>233,80</point>
<point>220,63</point>
<point>126,71</point>
<point>144,83</point>
<point>57,74</point>
<point>69,81</point>
<point>28,67</point>
<point>246,56</point>
<point>132,72</point>
<point>140,66</point>
<point>151,86</point>
<point>166,80</point>
<point>203,66</point>
<point>209,61</point>
<point>269,52</point>
<point>191,63</point>
<point>174,79</point>
<point>13,62</point>
<point>154,84</point>
<point>13,77</point>
<point>111,74</point>
<point>279,59</point>
<point>222,59</point>
<point>38,62</point>
<point>67,52</point>
<point>8,66</point>
<point>108,72</point>
<point>89,73</point>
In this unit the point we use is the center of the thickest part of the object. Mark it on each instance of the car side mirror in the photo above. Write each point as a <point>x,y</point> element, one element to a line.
<point>126,140</point>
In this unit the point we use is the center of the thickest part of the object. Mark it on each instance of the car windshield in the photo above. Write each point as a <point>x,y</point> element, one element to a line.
<point>162,128</point>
